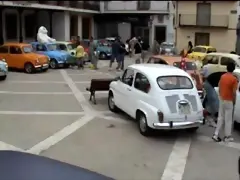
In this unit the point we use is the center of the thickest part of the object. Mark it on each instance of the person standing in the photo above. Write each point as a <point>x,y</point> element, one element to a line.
<point>190,46</point>
<point>227,94</point>
<point>145,48</point>
<point>122,52</point>
<point>132,43</point>
<point>80,55</point>
<point>92,54</point>
<point>155,48</point>
<point>115,54</point>
<point>138,49</point>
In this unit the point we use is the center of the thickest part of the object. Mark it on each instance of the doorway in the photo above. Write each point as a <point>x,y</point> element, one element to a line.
<point>202,39</point>
<point>73,25</point>
<point>160,34</point>
<point>142,32</point>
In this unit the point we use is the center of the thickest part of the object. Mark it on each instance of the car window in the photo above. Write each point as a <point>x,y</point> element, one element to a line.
<point>52,47</point>
<point>127,77</point>
<point>41,47</point>
<point>174,82</point>
<point>71,46</point>
<point>199,49</point>
<point>210,59</point>
<point>62,47</point>
<point>141,83</point>
<point>153,60</point>
<point>189,65</point>
<point>226,60</point>
<point>15,50</point>
<point>210,50</point>
<point>27,49</point>
<point>4,49</point>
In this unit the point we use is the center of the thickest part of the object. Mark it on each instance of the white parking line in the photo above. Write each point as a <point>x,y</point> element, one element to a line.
<point>35,82</point>
<point>40,113</point>
<point>174,169</point>
<point>60,135</point>
<point>84,74</point>
<point>5,146</point>
<point>234,145</point>
<point>114,119</point>
<point>36,93</point>
<point>99,92</point>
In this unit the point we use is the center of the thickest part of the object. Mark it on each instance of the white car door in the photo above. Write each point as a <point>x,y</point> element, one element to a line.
<point>125,90</point>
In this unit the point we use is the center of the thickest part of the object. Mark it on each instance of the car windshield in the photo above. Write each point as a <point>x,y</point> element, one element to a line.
<point>52,47</point>
<point>199,49</point>
<point>71,46</point>
<point>174,82</point>
<point>189,65</point>
<point>27,49</point>
<point>167,45</point>
<point>210,50</point>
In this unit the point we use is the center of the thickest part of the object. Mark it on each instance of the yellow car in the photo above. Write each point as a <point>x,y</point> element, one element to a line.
<point>199,52</point>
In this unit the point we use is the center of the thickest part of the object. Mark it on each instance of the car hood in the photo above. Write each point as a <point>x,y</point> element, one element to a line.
<point>57,53</point>
<point>34,55</point>
<point>197,54</point>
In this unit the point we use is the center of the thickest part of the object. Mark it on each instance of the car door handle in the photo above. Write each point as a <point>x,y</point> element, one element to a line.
<point>128,89</point>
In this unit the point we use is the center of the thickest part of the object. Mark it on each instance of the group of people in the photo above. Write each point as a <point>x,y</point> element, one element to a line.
<point>220,107</point>
<point>137,48</point>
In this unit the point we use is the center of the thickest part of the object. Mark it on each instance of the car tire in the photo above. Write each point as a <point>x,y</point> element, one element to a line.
<point>44,70</point>
<point>67,65</point>
<point>111,104</point>
<point>102,55</point>
<point>2,78</point>
<point>29,68</point>
<point>53,64</point>
<point>144,129</point>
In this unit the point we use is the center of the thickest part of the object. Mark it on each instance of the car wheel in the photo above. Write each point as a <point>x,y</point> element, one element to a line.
<point>67,65</point>
<point>45,70</point>
<point>28,68</point>
<point>111,104</point>
<point>144,129</point>
<point>3,77</point>
<point>53,64</point>
<point>236,125</point>
<point>102,55</point>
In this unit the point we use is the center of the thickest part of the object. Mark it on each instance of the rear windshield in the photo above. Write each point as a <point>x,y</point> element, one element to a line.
<point>189,65</point>
<point>174,82</point>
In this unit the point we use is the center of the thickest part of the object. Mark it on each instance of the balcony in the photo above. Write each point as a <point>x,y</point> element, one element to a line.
<point>136,7</point>
<point>191,20</point>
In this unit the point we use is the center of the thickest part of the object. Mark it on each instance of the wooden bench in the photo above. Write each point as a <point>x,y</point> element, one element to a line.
<point>98,85</point>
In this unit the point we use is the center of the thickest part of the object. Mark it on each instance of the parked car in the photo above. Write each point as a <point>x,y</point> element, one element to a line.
<point>21,56</point>
<point>217,62</point>
<point>167,48</point>
<point>25,166</point>
<point>158,97</point>
<point>71,49</point>
<point>198,52</point>
<point>3,69</point>
<point>57,58</point>
<point>191,68</point>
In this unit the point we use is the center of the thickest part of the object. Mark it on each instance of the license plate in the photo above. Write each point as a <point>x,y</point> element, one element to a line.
<point>184,109</point>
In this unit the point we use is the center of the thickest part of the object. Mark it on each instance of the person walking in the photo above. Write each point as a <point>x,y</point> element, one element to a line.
<point>227,94</point>
<point>132,43</point>
<point>122,52</point>
<point>190,46</point>
<point>138,49</point>
<point>115,54</point>
<point>80,55</point>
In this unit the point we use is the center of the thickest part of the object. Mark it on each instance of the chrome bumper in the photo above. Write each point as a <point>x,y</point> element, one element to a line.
<point>178,125</point>
<point>44,66</point>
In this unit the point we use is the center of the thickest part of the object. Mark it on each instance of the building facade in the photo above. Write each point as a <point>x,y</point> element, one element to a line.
<point>206,23</point>
<point>148,19</point>
<point>20,20</point>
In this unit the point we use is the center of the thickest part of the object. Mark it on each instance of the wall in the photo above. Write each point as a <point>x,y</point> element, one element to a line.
<point>222,39</point>
<point>168,23</point>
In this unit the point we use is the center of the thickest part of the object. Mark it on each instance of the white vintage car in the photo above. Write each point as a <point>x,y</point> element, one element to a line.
<point>158,97</point>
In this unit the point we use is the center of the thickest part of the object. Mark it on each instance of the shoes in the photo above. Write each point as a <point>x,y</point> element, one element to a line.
<point>228,139</point>
<point>216,138</point>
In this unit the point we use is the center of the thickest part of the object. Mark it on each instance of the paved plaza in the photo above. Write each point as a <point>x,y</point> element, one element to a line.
<point>49,114</point>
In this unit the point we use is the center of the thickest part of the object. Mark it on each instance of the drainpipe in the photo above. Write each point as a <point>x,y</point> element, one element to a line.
<point>176,22</point>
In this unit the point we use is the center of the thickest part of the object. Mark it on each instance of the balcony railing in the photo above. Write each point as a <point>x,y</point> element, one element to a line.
<point>191,20</point>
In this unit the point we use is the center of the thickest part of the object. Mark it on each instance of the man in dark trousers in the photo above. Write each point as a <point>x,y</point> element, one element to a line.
<point>115,53</point>
<point>122,52</point>
<point>145,48</point>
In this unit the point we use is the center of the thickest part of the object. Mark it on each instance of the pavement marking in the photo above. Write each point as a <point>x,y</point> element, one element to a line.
<point>82,82</point>
<point>35,82</point>
<point>60,135</point>
<point>97,92</point>
<point>36,93</point>
<point>177,160</point>
<point>5,146</point>
<point>77,93</point>
<point>40,113</point>
<point>234,145</point>
<point>114,119</point>
<point>84,74</point>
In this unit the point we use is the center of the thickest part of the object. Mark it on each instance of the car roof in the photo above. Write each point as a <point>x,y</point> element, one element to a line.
<point>156,70</point>
<point>14,165</point>
<point>204,46</point>
<point>233,56</point>
<point>64,42</point>
<point>16,44</point>
<point>171,59</point>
